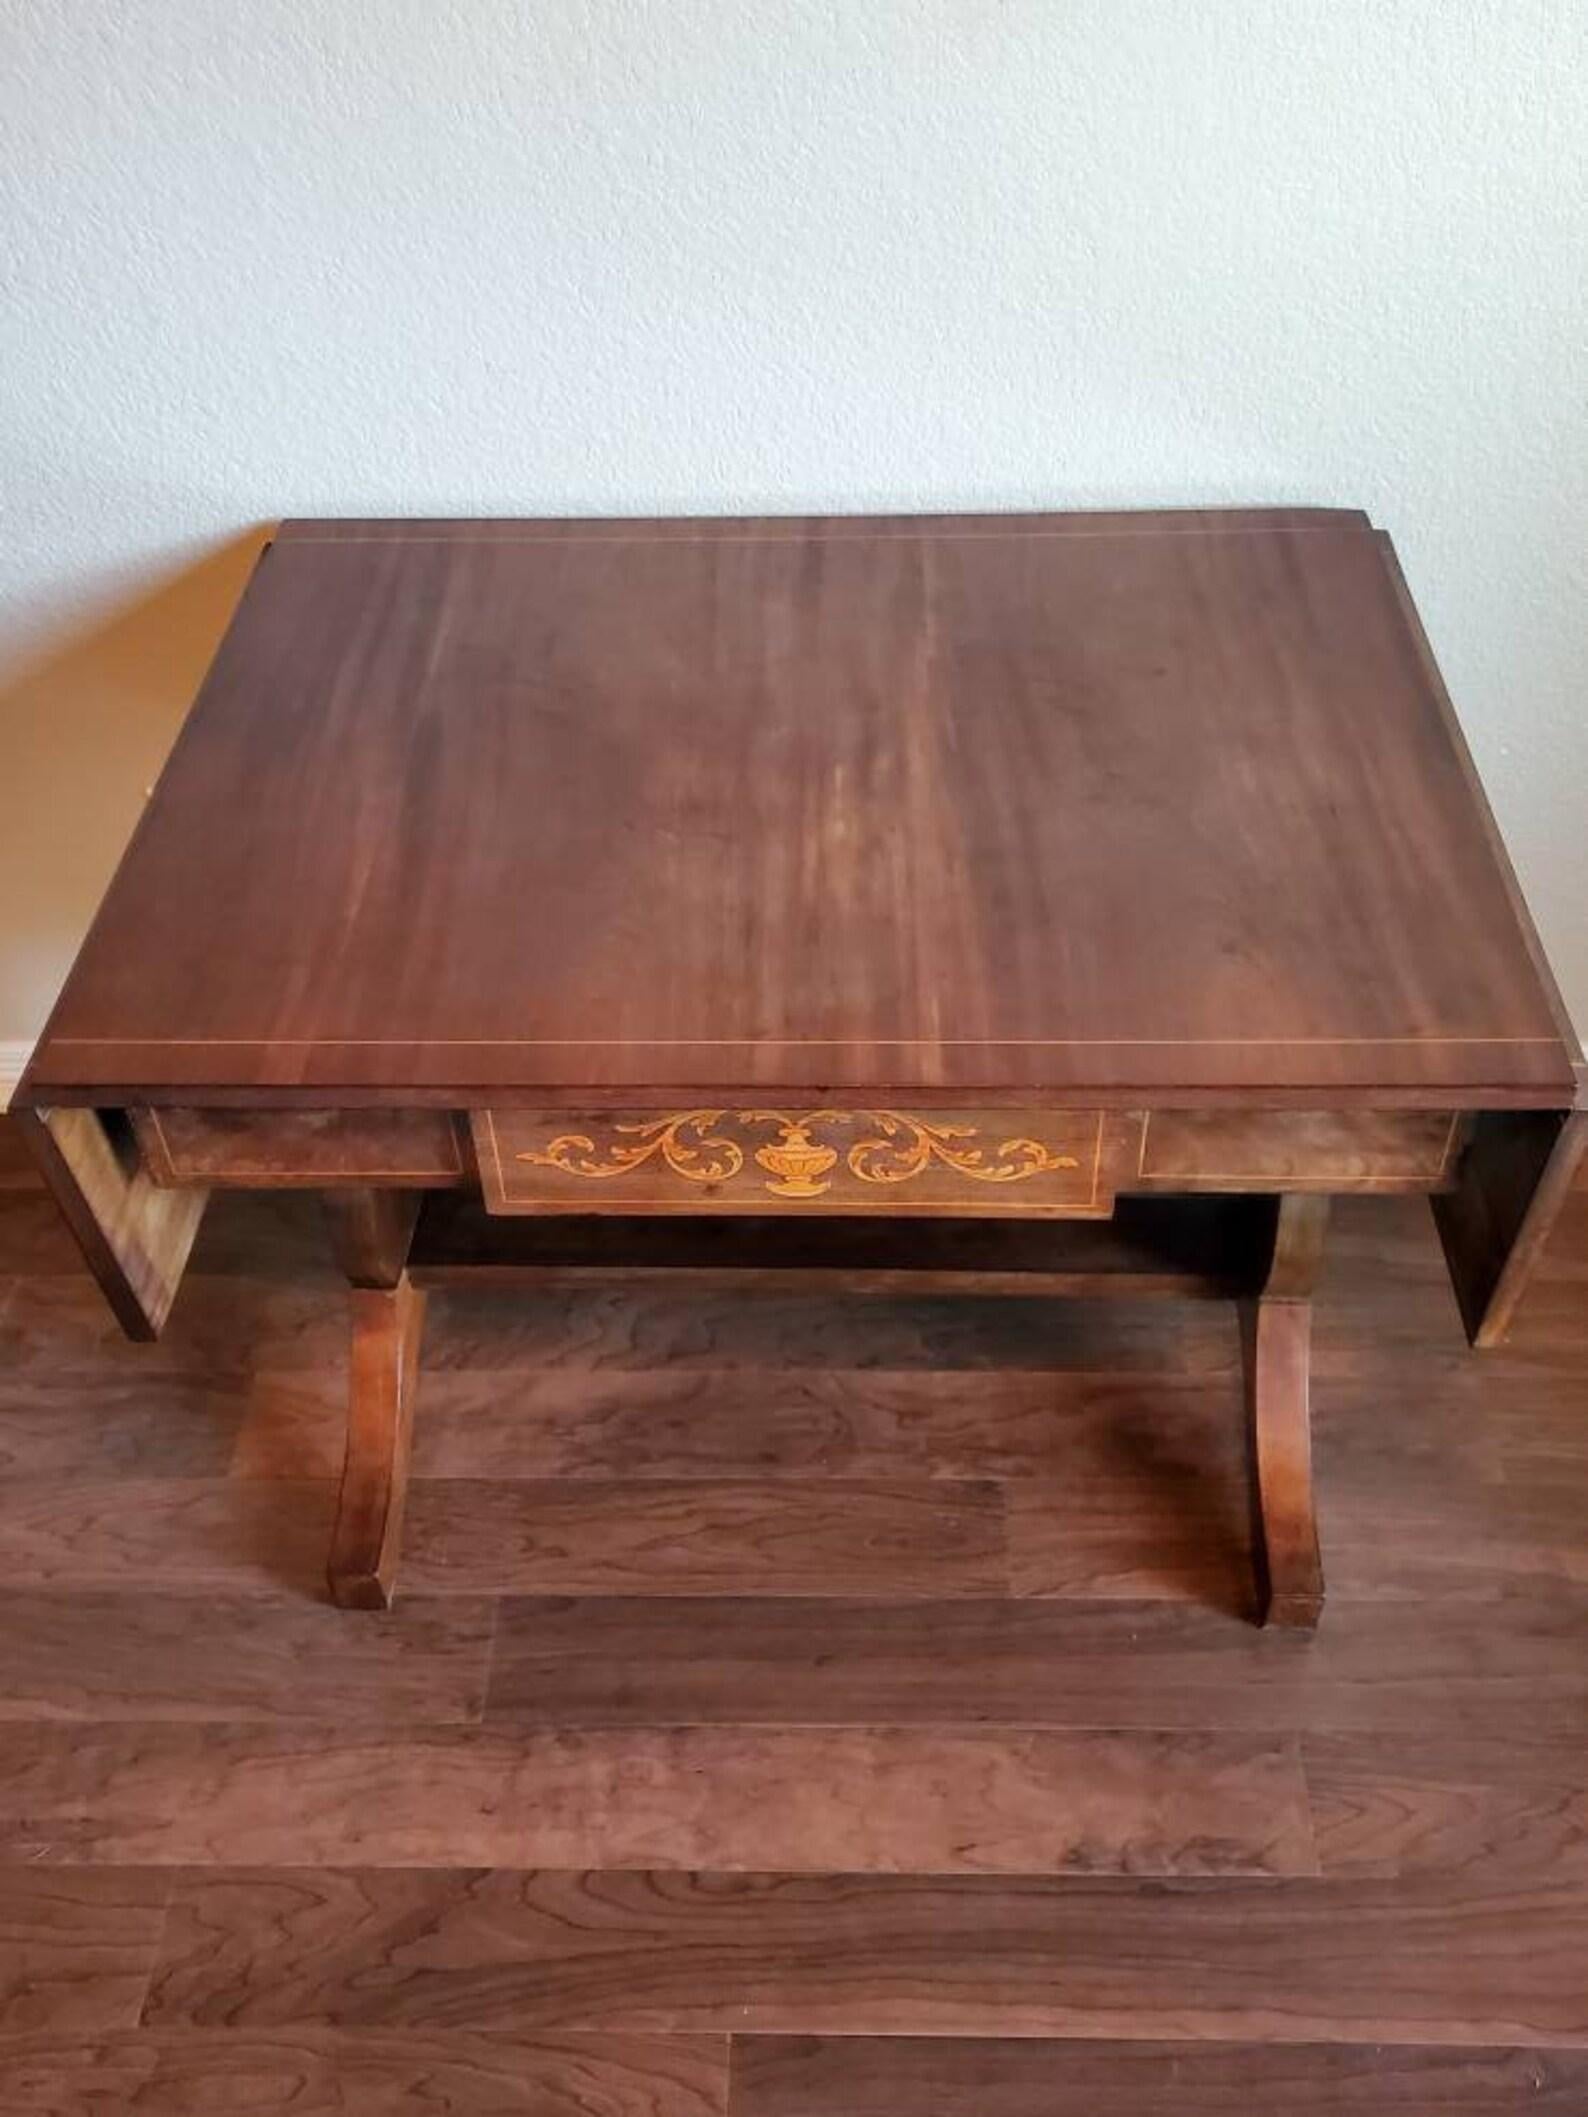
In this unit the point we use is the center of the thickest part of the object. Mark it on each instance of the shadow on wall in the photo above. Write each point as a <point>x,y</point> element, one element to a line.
<point>84,731</point>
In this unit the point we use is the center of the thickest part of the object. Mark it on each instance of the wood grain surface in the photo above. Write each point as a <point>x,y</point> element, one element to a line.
<point>1426,1959</point>
<point>76,1946</point>
<point>688,1538</point>
<point>84,1654</point>
<point>815,2076</point>
<point>812,1707</point>
<point>301,2072</point>
<point>135,1237</point>
<point>864,1800</point>
<point>1440,1669</point>
<point>1081,806</point>
<point>299,1147</point>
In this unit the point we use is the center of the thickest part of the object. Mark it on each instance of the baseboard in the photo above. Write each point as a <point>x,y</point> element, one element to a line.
<point>13,1057</point>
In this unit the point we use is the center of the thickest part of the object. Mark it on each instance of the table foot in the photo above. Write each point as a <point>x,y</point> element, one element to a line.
<point>1276,1338</point>
<point>384,1376</point>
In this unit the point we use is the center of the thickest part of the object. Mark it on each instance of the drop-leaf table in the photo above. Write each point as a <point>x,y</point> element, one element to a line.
<point>1067,903</point>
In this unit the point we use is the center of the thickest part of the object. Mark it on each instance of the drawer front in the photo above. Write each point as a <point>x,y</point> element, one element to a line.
<point>1297,1150</point>
<point>266,1149</point>
<point>1055,1162</point>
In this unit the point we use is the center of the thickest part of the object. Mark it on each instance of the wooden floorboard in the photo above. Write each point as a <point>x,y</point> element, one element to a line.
<point>117,1424</point>
<point>1518,1666</point>
<point>1420,1804</point>
<point>1439,1959</point>
<point>76,1945</point>
<point>675,1537</point>
<point>813,2076</point>
<point>383,2073</point>
<point>800,1424</point>
<point>819,1422</point>
<point>95,1654</point>
<point>724,1799</point>
<point>793,1708</point>
<point>181,1534</point>
<point>1182,1538</point>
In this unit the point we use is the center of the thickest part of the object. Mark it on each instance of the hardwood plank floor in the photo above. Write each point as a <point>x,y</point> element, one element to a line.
<point>184,1533</point>
<point>81,1653</point>
<point>723,1799</point>
<point>76,1947</point>
<point>302,2070</point>
<point>813,2076</point>
<point>1440,1958</point>
<point>627,1660</point>
<point>1417,1804</point>
<point>670,1537</point>
<point>118,1424</point>
<point>821,1422</point>
<point>794,1708</point>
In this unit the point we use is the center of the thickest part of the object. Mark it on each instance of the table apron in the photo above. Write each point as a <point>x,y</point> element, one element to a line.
<point>874,1159</point>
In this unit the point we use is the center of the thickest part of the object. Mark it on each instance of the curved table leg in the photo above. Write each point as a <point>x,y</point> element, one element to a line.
<point>369,1508</point>
<point>1276,1339</point>
<point>371,1231</point>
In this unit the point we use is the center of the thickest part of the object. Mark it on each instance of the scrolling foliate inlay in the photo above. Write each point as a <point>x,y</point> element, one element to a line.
<point>682,1141</point>
<point>698,1145</point>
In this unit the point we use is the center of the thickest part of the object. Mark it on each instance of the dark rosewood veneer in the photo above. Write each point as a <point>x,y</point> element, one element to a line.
<point>939,902</point>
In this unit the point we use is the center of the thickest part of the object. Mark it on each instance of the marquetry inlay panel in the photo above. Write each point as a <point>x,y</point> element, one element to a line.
<point>873,1159</point>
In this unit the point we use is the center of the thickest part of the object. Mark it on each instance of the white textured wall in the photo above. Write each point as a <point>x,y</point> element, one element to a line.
<point>285,256</point>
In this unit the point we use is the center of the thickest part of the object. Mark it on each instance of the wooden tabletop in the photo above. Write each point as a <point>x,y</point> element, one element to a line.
<point>1103,807</point>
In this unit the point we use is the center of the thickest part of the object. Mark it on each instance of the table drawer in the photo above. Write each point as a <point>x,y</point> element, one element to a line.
<point>875,1160</point>
<point>266,1149</point>
<point>1297,1150</point>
